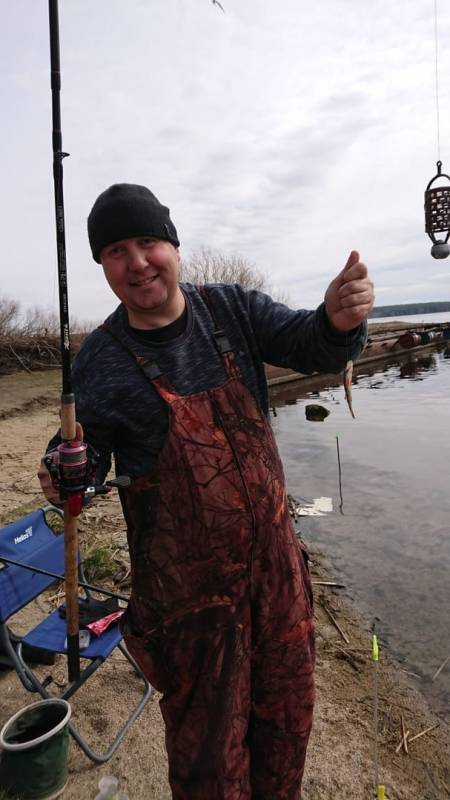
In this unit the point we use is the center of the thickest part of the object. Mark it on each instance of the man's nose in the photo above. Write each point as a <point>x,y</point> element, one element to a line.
<point>137,258</point>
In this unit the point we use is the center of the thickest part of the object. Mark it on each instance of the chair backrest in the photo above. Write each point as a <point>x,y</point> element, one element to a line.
<point>29,541</point>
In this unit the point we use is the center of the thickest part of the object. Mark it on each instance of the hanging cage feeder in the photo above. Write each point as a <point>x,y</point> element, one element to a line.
<point>437,214</point>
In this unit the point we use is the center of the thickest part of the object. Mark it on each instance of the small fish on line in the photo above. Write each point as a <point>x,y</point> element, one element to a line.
<point>348,375</point>
<point>216,3</point>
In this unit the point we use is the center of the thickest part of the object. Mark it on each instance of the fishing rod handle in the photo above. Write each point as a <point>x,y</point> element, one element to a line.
<point>71,579</point>
<point>68,417</point>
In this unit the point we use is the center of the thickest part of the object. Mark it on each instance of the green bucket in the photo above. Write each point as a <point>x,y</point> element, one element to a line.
<point>33,751</point>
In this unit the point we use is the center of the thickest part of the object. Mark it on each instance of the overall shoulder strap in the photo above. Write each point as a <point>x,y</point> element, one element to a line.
<point>221,339</point>
<point>148,366</point>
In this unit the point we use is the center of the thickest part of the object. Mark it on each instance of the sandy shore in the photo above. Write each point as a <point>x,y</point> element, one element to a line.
<point>341,754</point>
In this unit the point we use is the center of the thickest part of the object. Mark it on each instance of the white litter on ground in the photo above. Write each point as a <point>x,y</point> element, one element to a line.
<point>318,508</point>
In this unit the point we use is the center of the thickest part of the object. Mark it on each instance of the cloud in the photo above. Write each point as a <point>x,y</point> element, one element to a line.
<point>288,134</point>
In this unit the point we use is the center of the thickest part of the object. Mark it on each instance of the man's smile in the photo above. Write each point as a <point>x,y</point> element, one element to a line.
<point>144,281</point>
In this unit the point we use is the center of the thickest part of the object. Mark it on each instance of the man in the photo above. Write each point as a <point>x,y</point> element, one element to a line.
<point>173,385</point>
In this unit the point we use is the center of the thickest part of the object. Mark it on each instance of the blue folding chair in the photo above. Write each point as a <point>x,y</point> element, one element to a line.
<point>32,542</point>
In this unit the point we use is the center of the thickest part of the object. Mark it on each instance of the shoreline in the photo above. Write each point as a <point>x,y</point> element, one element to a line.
<point>345,707</point>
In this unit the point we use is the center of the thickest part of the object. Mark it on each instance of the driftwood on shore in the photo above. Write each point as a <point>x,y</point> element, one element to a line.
<point>439,670</point>
<point>28,352</point>
<point>333,619</point>
<point>31,353</point>
<point>407,739</point>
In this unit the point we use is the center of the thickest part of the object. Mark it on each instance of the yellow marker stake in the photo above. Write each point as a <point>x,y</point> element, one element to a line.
<point>380,795</point>
<point>374,648</point>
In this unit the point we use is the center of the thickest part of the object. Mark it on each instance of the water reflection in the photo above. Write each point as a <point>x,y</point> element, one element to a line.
<point>411,365</point>
<point>416,367</point>
<point>391,548</point>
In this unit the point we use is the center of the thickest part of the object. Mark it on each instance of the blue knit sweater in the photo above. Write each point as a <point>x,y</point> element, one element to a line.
<point>123,415</point>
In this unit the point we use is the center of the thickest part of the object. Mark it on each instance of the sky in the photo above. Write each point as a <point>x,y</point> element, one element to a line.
<point>287,133</point>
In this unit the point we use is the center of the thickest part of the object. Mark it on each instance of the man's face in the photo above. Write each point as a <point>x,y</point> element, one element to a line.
<point>143,273</point>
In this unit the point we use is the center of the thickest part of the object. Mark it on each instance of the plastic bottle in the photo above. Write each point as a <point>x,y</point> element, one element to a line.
<point>109,789</point>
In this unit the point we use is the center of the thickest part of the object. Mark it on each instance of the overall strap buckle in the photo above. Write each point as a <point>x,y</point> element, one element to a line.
<point>221,339</point>
<point>222,342</point>
<point>150,369</point>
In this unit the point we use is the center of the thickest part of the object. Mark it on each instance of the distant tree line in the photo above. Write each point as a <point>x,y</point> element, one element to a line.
<point>411,308</point>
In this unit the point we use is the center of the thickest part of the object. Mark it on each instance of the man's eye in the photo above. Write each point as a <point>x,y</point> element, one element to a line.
<point>148,242</point>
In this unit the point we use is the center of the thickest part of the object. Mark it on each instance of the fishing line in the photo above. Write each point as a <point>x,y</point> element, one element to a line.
<point>341,506</point>
<point>436,61</point>
<point>437,199</point>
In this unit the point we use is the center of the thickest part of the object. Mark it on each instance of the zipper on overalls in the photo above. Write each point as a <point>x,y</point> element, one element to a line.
<point>223,346</point>
<point>217,416</point>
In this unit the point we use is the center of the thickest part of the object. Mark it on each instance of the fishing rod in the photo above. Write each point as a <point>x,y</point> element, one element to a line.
<point>73,463</point>
<point>74,475</point>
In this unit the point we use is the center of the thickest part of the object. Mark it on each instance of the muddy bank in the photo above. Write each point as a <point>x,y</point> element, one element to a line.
<point>340,760</point>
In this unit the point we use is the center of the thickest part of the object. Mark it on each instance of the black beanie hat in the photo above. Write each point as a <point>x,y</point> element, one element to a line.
<point>124,211</point>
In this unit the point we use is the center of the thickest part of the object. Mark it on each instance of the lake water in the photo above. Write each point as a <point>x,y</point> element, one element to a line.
<point>442,316</point>
<point>391,546</point>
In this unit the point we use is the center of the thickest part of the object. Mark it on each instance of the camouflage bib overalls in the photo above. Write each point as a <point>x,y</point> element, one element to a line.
<point>220,617</point>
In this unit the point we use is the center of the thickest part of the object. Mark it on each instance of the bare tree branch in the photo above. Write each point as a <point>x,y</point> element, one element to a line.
<point>9,316</point>
<point>211,266</point>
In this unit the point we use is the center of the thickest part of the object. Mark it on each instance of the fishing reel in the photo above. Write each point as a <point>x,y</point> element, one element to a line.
<point>73,474</point>
<point>437,214</point>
